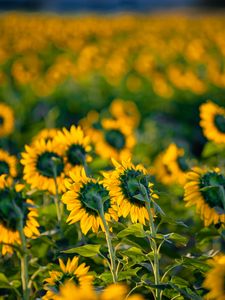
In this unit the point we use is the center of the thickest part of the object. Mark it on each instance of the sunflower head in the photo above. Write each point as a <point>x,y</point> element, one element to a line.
<point>82,201</point>
<point>11,198</point>
<point>6,120</point>
<point>205,189</point>
<point>48,134</point>
<point>213,121</point>
<point>130,187</point>
<point>69,272</point>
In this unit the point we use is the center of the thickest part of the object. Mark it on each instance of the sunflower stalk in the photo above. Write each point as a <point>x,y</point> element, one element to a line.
<point>58,203</point>
<point>153,243</point>
<point>23,256</point>
<point>108,238</point>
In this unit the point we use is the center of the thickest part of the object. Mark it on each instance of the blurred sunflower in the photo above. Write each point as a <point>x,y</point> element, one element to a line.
<point>69,272</point>
<point>115,140</point>
<point>170,166</point>
<point>213,121</point>
<point>8,164</point>
<point>6,120</point>
<point>9,197</point>
<point>75,146</point>
<point>48,134</point>
<point>91,124</point>
<point>111,292</point>
<point>43,161</point>
<point>125,189</point>
<point>80,201</point>
<point>205,189</point>
<point>214,281</point>
<point>126,110</point>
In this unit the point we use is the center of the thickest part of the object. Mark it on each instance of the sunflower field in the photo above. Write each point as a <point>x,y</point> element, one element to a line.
<point>112,157</point>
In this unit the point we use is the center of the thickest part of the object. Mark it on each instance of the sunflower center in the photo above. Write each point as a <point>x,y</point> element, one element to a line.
<point>182,163</point>
<point>115,138</point>
<point>220,122</point>
<point>214,182</point>
<point>88,197</point>
<point>1,120</point>
<point>76,155</point>
<point>46,164</point>
<point>130,184</point>
<point>4,167</point>
<point>8,216</point>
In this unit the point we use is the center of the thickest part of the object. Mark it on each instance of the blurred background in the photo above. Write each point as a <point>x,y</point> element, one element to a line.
<point>106,5</point>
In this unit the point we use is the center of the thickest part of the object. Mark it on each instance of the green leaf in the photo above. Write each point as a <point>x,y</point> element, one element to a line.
<point>86,250</point>
<point>134,229</point>
<point>179,239</point>
<point>4,282</point>
<point>124,275</point>
<point>211,149</point>
<point>186,292</point>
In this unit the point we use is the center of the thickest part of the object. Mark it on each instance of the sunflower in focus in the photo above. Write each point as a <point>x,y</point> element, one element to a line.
<point>48,134</point>
<point>9,197</point>
<point>170,166</point>
<point>8,164</point>
<point>69,272</point>
<point>203,189</point>
<point>116,140</point>
<point>6,120</point>
<point>125,110</point>
<point>75,146</point>
<point>124,185</point>
<point>43,165</point>
<point>112,292</point>
<point>214,281</point>
<point>213,122</point>
<point>80,201</point>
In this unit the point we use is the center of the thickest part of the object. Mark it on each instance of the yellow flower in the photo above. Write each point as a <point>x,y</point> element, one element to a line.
<point>116,140</point>
<point>213,121</point>
<point>6,120</point>
<point>170,166</point>
<point>48,134</point>
<point>69,272</point>
<point>75,146</point>
<point>91,125</point>
<point>81,202</point>
<point>214,280</point>
<point>42,162</point>
<point>203,189</point>
<point>9,234</point>
<point>124,186</point>
<point>8,164</point>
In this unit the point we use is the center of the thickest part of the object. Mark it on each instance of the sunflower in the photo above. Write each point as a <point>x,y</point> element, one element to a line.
<point>39,160</point>
<point>126,110</point>
<point>7,164</point>
<point>170,166</point>
<point>115,140</point>
<point>9,234</point>
<point>124,185</point>
<point>75,146</point>
<point>72,272</point>
<point>213,122</point>
<point>112,292</point>
<point>48,134</point>
<point>214,281</point>
<point>82,205</point>
<point>205,188</point>
<point>6,120</point>
<point>91,125</point>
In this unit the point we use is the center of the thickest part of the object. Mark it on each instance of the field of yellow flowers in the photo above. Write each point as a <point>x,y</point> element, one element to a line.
<point>112,157</point>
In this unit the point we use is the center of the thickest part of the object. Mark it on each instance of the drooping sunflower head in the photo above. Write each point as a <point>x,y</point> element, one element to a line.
<point>116,139</point>
<point>69,272</point>
<point>48,134</point>
<point>215,278</point>
<point>11,198</point>
<point>205,189</point>
<point>213,121</point>
<point>126,110</point>
<point>6,120</point>
<point>171,166</point>
<point>8,164</point>
<point>75,146</point>
<point>126,184</point>
<point>82,201</point>
<point>44,166</point>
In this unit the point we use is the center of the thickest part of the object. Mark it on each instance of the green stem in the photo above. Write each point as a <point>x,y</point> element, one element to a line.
<point>58,203</point>
<point>108,239</point>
